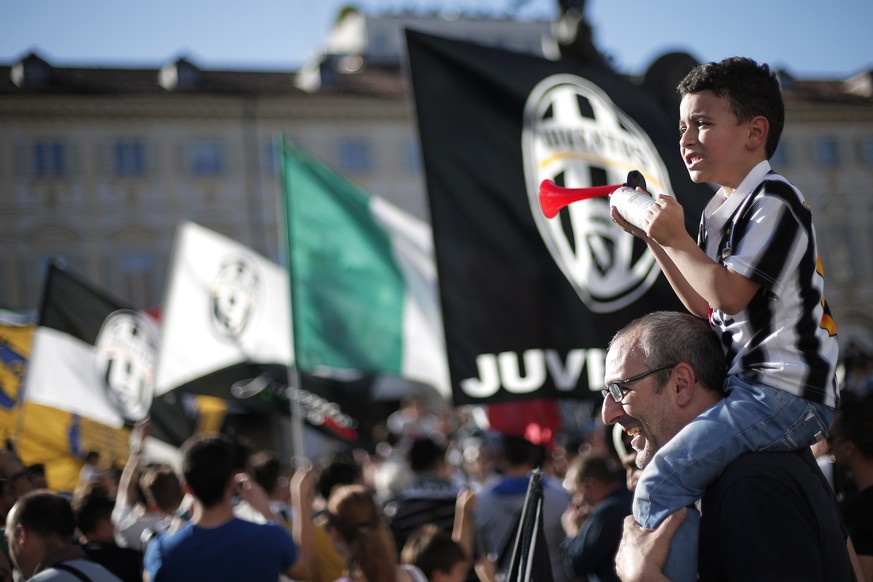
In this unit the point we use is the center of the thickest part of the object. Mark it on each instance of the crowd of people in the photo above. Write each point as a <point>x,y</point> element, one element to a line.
<point>745,460</point>
<point>431,505</point>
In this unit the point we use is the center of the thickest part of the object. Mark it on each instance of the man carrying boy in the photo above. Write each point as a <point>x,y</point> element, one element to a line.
<point>770,516</point>
<point>755,274</point>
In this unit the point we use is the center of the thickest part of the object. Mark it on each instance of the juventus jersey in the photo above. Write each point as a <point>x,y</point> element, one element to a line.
<point>785,337</point>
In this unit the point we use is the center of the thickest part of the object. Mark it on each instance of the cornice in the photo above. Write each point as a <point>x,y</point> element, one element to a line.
<point>191,108</point>
<point>829,113</point>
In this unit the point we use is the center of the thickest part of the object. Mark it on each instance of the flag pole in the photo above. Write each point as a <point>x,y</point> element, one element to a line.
<point>294,377</point>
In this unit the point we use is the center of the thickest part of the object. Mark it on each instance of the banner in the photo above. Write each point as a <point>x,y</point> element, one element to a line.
<point>92,355</point>
<point>225,317</point>
<point>363,281</point>
<point>530,303</point>
<point>42,434</point>
<point>226,334</point>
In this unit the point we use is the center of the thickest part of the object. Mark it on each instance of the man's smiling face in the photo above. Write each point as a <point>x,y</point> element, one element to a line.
<point>645,415</point>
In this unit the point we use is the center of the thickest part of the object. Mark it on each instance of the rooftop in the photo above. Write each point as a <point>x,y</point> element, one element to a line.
<point>32,75</point>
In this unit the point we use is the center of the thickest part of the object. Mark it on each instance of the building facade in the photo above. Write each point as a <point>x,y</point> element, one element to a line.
<point>98,165</point>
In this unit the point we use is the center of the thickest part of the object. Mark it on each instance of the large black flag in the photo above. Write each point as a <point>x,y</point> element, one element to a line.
<point>530,303</point>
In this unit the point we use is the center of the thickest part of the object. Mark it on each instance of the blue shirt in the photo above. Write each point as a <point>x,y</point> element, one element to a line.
<point>236,550</point>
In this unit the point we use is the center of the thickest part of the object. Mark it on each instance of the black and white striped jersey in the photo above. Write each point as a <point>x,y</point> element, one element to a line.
<point>785,337</point>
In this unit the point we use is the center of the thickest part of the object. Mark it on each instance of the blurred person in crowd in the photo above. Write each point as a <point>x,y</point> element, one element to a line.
<point>500,503</point>
<point>859,380</point>
<point>411,421</point>
<point>390,477</point>
<point>439,557</point>
<point>40,531</point>
<point>338,469</point>
<point>91,469</point>
<point>593,521</point>
<point>7,497</point>
<point>97,536</point>
<point>267,471</point>
<point>361,536</point>
<point>158,494</point>
<point>478,461</point>
<point>14,472</point>
<point>215,544</point>
<point>851,441</point>
<point>429,498</point>
<point>147,497</point>
<point>36,474</point>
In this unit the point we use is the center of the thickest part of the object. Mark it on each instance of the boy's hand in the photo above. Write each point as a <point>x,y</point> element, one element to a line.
<point>666,221</point>
<point>624,224</point>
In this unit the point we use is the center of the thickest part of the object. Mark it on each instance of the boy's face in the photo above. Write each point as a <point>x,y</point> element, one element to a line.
<point>712,142</point>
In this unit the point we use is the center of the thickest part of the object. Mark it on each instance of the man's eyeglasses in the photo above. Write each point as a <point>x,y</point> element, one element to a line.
<point>617,389</point>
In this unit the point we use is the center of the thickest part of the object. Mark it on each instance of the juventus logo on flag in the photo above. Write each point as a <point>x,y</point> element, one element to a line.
<point>529,303</point>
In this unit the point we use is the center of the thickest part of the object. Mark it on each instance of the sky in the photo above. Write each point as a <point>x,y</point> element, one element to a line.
<point>808,38</point>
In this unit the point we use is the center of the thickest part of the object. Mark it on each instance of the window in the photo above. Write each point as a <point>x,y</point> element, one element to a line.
<point>354,156</point>
<point>128,158</point>
<point>825,151</point>
<point>206,158</point>
<point>49,159</point>
<point>270,162</point>
<point>137,267</point>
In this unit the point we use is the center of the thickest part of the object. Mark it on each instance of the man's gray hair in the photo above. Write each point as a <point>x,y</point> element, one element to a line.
<point>666,337</point>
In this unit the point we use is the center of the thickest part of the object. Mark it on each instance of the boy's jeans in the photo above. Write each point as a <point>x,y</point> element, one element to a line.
<point>752,417</point>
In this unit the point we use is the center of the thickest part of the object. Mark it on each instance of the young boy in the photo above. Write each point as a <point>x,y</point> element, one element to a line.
<point>755,274</point>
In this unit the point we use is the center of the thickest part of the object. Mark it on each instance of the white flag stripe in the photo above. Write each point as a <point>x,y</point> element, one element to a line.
<point>424,351</point>
<point>191,344</point>
<point>69,378</point>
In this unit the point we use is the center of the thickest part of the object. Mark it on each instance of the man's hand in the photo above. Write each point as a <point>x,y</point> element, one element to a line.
<point>642,553</point>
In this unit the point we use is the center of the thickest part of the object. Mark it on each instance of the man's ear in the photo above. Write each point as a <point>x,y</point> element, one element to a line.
<point>759,129</point>
<point>685,380</point>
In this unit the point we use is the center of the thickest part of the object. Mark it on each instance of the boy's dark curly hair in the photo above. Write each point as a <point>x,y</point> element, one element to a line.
<point>751,90</point>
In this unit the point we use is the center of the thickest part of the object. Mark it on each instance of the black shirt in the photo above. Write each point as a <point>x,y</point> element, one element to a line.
<point>772,517</point>
<point>126,563</point>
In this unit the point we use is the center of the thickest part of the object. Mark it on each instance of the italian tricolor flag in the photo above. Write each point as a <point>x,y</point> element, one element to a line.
<point>363,279</point>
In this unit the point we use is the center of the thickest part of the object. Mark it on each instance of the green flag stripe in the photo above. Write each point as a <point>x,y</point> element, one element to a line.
<point>347,290</point>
